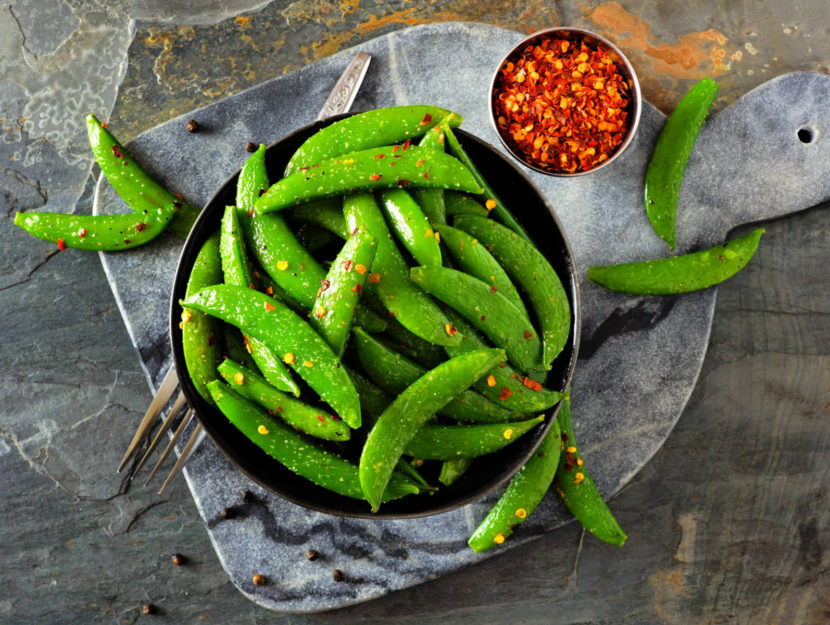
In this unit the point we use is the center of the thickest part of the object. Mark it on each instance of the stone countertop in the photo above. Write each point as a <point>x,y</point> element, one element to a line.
<point>728,523</point>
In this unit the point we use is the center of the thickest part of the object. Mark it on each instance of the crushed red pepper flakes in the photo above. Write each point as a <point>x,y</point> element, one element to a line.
<point>427,119</point>
<point>379,155</point>
<point>269,306</point>
<point>117,152</point>
<point>348,264</point>
<point>140,227</point>
<point>562,104</point>
<point>375,177</point>
<point>505,393</point>
<point>82,232</point>
<point>532,384</point>
<point>61,244</point>
<point>528,334</point>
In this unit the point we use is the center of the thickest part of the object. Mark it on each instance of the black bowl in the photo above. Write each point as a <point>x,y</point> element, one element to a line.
<point>488,472</point>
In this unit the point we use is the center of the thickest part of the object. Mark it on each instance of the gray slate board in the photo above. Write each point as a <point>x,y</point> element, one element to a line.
<point>639,358</point>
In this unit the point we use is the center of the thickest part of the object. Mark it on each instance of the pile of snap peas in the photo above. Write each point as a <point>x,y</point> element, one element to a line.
<point>382,276</point>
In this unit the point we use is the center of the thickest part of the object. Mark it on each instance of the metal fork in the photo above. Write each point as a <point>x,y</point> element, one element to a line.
<point>339,101</point>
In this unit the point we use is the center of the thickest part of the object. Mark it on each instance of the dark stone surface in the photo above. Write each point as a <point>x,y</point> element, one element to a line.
<point>727,523</point>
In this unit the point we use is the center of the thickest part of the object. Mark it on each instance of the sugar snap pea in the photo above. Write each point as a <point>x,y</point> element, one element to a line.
<point>473,258</point>
<point>394,373</point>
<point>499,208</point>
<point>371,129</point>
<point>297,453</point>
<point>456,203</point>
<point>410,225</point>
<point>452,470</point>
<point>410,410</point>
<point>339,295</point>
<point>680,274</point>
<point>667,166</point>
<point>287,335</point>
<point>532,272</point>
<point>109,233</point>
<point>577,489</point>
<point>201,333</point>
<point>423,352</point>
<point>297,414</point>
<point>132,183</point>
<point>390,276</point>
<point>326,213</point>
<point>252,181</point>
<point>445,442</point>
<point>379,168</point>
<point>431,201</point>
<point>488,310</point>
<point>524,492</point>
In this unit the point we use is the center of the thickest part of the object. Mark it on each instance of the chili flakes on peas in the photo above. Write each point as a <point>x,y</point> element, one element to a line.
<point>562,104</point>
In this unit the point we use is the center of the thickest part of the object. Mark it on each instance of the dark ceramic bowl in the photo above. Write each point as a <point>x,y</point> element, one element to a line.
<point>486,473</point>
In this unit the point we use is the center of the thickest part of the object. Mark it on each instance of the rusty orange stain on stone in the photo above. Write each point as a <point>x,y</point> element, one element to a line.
<point>693,56</point>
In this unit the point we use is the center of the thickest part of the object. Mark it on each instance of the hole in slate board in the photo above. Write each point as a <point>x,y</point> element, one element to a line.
<point>806,134</point>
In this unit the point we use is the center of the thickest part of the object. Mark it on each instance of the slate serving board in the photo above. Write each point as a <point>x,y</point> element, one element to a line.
<point>639,356</point>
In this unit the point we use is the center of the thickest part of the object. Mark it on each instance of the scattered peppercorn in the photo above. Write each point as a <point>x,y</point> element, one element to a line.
<point>177,559</point>
<point>258,579</point>
<point>192,125</point>
<point>228,513</point>
<point>250,146</point>
<point>148,608</point>
<point>337,575</point>
<point>311,555</point>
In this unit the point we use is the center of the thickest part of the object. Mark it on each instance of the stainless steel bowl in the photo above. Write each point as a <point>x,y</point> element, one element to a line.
<point>574,34</point>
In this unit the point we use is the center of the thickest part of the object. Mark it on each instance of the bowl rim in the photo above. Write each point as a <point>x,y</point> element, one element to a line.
<point>196,402</point>
<point>636,103</point>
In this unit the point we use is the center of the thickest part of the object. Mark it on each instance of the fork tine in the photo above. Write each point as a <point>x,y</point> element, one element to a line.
<point>176,436</point>
<point>192,445</point>
<point>168,385</point>
<point>168,421</point>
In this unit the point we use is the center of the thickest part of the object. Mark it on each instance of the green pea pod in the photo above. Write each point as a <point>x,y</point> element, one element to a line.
<point>431,201</point>
<point>445,442</point>
<point>577,489</point>
<point>295,413</point>
<point>667,166</point>
<point>339,296</point>
<point>109,233</point>
<point>474,259</point>
<point>504,385</point>
<point>237,271</point>
<point>132,183</point>
<point>524,492</point>
<point>501,211</point>
<point>253,180</point>
<point>680,274</point>
<point>314,238</point>
<point>462,204</point>
<point>488,310</point>
<point>452,470</point>
<point>410,410</point>
<point>385,167</point>
<point>410,225</point>
<point>326,213</point>
<point>235,346</point>
<point>287,335</point>
<point>201,334</point>
<point>532,272</point>
<point>373,399</point>
<point>390,276</point>
<point>295,452</point>
<point>423,352</point>
<point>371,129</point>
<point>394,373</point>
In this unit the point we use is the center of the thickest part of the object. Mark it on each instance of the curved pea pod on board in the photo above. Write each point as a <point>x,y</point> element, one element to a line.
<point>410,226</point>
<point>431,201</point>
<point>680,274</point>
<point>132,183</point>
<point>394,373</point>
<point>371,129</point>
<point>387,167</point>
<point>446,442</point>
<point>503,385</point>
<point>667,165</point>
<point>577,489</point>
<point>297,414</point>
<point>287,335</point>
<point>532,272</point>
<point>488,310</point>
<point>201,338</point>
<point>295,452</point>
<point>339,296</point>
<point>410,410</point>
<point>390,276</point>
<point>525,491</point>
<point>109,233</point>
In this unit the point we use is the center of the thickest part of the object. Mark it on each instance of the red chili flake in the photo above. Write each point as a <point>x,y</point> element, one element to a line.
<point>379,155</point>
<point>403,182</point>
<point>269,306</point>
<point>483,318</point>
<point>375,177</point>
<point>425,174</point>
<point>82,232</point>
<point>321,418</point>
<point>61,244</point>
<point>334,417</point>
<point>528,334</point>
<point>406,144</point>
<point>493,288</point>
<point>562,104</point>
<point>395,148</point>
<point>348,264</point>
<point>358,288</point>
<point>324,284</point>
<point>104,125</point>
<point>117,152</point>
<point>177,206</point>
<point>419,162</point>
<point>505,393</point>
<point>140,227</point>
<point>178,195</point>
<point>533,385</point>
<point>126,241</point>
<point>427,119</point>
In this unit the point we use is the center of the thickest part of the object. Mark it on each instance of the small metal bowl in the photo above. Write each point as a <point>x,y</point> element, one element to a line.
<point>574,34</point>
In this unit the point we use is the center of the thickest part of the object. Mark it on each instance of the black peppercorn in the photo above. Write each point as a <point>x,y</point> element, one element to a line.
<point>192,125</point>
<point>148,608</point>
<point>177,559</point>
<point>250,146</point>
<point>259,580</point>
<point>337,575</point>
<point>311,555</point>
